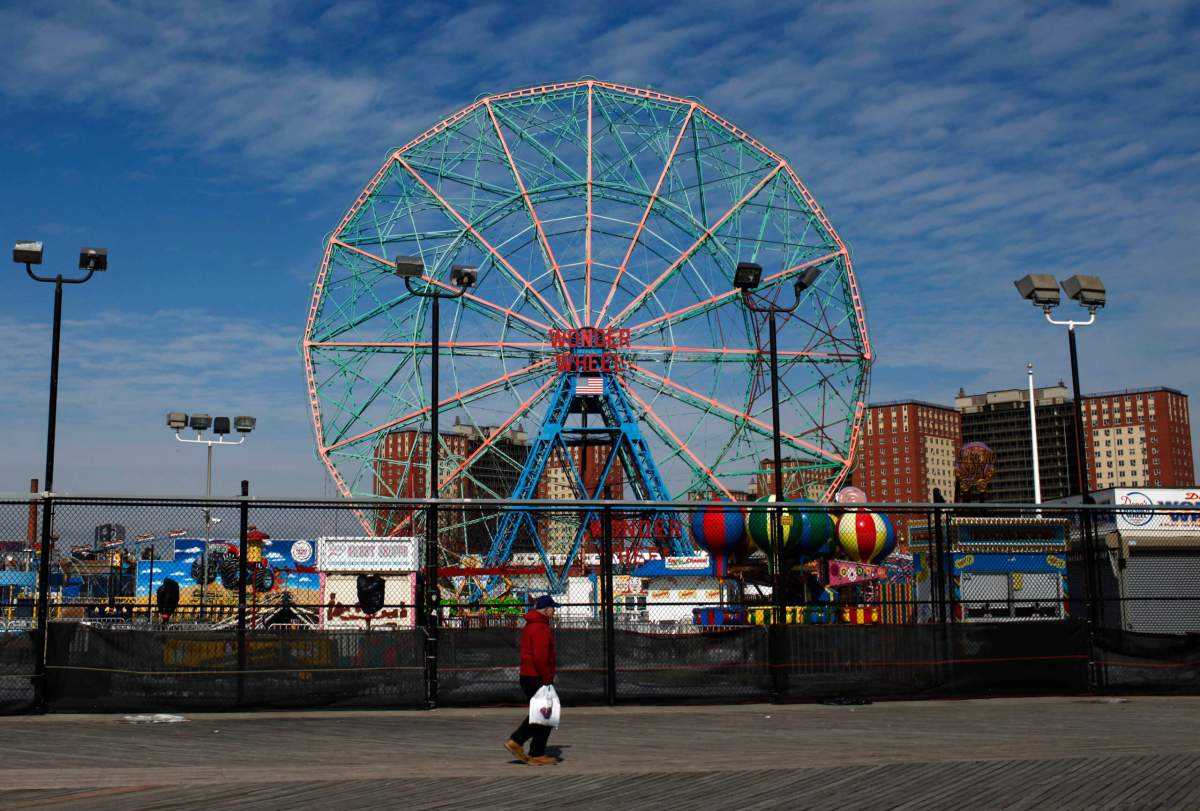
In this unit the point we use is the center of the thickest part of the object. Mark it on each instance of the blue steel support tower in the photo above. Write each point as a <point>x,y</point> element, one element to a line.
<point>593,393</point>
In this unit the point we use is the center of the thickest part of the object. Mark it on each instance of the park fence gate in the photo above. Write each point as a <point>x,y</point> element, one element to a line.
<point>302,604</point>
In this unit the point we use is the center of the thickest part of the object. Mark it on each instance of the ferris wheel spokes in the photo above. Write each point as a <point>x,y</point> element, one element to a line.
<point>519,280</point>
<point>731,295</point>
<point>585,206</point>
<point>457,397</point>
<point>736,416</point>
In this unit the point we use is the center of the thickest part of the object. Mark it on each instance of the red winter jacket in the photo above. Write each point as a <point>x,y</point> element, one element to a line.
<point>537,647</point>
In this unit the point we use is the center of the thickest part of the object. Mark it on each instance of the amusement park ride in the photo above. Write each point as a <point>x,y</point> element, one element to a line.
<point>605,223</point>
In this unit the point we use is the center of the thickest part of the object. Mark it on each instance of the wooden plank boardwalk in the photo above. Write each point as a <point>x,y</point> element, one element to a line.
<point>1003,753</point>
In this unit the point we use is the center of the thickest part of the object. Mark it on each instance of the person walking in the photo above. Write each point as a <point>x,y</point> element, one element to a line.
<point>537,669</point>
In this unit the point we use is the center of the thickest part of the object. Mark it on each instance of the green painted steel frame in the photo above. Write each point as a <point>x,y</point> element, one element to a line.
<point>585,204</point>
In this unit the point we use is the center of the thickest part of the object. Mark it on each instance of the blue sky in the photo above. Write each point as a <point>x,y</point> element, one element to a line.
<point>210,147</point>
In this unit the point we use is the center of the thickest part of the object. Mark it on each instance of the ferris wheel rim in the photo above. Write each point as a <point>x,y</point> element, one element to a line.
<point>664,320</point>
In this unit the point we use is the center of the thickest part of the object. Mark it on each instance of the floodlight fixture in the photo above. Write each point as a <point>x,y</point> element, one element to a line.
<point>1087,290</point>
<point>1039,288</point>
<point>28,252</point>
<point>244,425</point>
<point>200,422</point>
<point>93,259</point>
<point>409,266</point>
<point>747,276</point>
<point>177,420</point>
<point>808,278</point>
<point>464,276</point>
<point>221,425</point>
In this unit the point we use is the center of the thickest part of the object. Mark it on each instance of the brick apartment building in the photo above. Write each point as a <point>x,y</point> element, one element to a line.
<point>401,466</point>
<point>1138,438</point>
<point>800,479</point>
<point>906,449</point>
<point>1000,419</point>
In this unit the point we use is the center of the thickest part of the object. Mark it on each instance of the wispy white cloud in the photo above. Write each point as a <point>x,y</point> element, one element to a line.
<point>956,147</point>
<point>121,372</point>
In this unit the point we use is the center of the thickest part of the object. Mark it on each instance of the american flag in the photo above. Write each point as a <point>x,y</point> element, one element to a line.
<point>589,386</point>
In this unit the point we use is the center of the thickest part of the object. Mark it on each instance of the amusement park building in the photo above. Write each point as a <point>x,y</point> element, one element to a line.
<point>1138,438</point>
<point>1000,419</point>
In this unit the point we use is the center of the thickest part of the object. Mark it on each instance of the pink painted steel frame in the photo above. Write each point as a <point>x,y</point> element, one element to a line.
<point>694,107</point>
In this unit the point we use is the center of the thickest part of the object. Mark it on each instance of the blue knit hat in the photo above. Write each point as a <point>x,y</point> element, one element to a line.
<point>545,601</point>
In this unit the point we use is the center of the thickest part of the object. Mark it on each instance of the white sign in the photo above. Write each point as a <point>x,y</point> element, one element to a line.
<point>1162,520</point>
<point>369,554</point>
<point>339,602</point>
<point>686,562</point>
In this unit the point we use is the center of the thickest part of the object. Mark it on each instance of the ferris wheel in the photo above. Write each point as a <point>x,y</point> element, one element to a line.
<point>604,329</point>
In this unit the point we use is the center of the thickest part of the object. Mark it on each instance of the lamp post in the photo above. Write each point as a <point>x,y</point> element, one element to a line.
<point>30,253</point>
<point>464,277</point>
<point>1037,478</point>
<point>747,277</point>
<point>177,421</point>
<point>1042,291</point>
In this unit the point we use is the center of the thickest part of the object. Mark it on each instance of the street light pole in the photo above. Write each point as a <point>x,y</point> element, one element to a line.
<point>776,445</point>
<point>1088,291</point>
<point>207,529</point>
<point>1080,453</point>
<point>409,268</point>
<point>747,277</point>
<point>1037,478</point>
<point>177,421</point>
<point>30,253</point>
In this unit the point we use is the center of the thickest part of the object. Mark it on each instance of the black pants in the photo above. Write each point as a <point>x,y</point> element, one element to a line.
<point>540,733</point>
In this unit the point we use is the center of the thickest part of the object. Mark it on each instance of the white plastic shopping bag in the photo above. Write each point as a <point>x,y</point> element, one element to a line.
<point>544,707</point>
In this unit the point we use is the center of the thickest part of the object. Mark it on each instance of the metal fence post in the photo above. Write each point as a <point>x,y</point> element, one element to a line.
<point>776,628</point>
<point>244,510</point>
<point>43,604</point>
<point>433,608</point>
<point>606,607</point>
<point>1096,555</point>
<point>940,590</point>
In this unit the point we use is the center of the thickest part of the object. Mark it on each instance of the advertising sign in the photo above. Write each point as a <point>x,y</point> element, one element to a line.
<point>369,554</point>
<point>290,561</point>
<point>687,562</point>
<point>847,573</point>
<point>1132,521</point>
<point>339,602</point>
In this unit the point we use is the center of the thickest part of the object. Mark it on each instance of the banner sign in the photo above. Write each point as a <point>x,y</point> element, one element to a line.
<point>687,562</point>
<point>340,609</point>
<point>847,573</point>
<point>1132,521</point>
<point>289,559</point>
<point>369,554</point>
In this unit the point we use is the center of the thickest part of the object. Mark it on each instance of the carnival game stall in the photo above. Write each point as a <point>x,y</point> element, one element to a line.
<point>341,560</point>
<point>999,569</point>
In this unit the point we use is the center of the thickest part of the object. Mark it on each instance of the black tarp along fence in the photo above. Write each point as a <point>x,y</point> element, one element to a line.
<point>979,599</point>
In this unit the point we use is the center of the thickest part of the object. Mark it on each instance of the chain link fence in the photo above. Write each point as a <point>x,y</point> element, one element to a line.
<point>214,604</point>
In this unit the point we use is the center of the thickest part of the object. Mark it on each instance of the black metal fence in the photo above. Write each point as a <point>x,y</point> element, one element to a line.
<point>975,599</point>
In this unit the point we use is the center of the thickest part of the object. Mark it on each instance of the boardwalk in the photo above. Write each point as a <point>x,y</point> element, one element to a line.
<point>1002,753</point>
